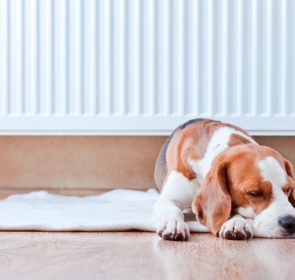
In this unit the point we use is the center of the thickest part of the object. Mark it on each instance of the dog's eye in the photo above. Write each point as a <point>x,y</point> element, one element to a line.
<point>287,191</point>
<point>256,193</point>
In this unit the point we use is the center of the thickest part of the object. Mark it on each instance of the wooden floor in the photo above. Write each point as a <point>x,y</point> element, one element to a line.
<point>136,255</point>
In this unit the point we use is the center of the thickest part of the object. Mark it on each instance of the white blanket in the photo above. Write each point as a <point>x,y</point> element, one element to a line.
<point>117,210</point>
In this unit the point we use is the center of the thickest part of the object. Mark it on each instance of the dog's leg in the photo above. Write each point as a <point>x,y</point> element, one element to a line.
<point>236,228</point>
<point>170,221</point>
<point>177,194</point>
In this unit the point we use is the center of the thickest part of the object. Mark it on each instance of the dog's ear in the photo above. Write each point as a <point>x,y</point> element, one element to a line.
<point>212,203</point>
<point>291,179</point>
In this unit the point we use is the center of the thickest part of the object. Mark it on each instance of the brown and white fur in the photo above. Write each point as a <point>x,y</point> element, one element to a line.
<point>237,188</point>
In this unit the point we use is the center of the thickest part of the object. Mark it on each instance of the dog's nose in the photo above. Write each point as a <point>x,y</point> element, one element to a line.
<point>288,223</point>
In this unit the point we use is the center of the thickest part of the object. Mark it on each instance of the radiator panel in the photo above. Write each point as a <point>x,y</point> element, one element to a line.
<point>143,67</point>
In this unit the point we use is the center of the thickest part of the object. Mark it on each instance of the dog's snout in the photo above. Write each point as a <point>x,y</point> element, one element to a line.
<point>288,223</point>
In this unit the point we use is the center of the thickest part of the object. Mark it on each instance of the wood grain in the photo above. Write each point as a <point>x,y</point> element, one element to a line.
<point>135,255</point>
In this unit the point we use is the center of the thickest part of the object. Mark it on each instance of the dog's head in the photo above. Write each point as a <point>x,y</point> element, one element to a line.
<point>254,181</point>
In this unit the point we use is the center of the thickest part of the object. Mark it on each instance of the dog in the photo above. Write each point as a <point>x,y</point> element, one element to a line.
<point>237,188</point>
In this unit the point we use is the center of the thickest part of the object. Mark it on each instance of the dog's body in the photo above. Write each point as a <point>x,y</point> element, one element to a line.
<point>237,188</point>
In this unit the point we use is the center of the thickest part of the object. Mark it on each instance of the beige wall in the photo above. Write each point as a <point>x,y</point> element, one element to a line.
<point>83,165</point>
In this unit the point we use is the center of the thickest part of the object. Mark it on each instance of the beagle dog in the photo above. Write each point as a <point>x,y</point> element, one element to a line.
<point>237,188</point>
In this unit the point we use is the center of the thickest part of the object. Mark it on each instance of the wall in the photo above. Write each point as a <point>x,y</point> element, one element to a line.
<point>88,165</point>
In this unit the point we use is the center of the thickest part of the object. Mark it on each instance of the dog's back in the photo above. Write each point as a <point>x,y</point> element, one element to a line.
<point>161,168</point>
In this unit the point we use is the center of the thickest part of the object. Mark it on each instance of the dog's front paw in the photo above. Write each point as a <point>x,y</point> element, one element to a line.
<point>175,230</point>
<point>236,229</point>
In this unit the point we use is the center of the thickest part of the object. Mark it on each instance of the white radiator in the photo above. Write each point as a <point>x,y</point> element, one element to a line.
<point>144,66</point>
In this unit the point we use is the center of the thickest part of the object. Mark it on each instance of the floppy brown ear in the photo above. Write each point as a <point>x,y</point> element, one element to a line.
<point>212,203</point>
<point>290,172</point>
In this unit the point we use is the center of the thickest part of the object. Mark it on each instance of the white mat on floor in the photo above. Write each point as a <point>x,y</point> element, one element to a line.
<point>116,210</point>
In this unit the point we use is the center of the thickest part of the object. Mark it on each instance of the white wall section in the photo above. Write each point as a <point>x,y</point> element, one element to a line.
<point>145,66</point>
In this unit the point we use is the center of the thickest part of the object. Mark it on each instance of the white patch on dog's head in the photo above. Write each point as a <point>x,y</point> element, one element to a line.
<point>266,223</point>
<point>272,171</point>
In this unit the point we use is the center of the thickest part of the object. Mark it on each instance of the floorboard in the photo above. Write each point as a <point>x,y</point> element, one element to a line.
<point>137,255</point>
